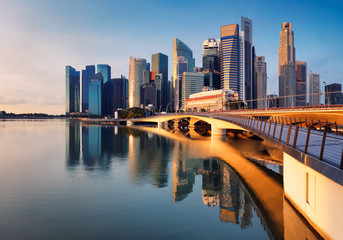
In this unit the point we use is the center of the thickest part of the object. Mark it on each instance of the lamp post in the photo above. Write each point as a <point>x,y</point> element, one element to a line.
<point>327,96</point>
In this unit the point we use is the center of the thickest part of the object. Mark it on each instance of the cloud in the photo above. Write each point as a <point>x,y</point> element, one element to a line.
<point>11,100</point>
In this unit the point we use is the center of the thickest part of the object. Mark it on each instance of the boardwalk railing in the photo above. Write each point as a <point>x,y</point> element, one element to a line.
<point>321,140</point>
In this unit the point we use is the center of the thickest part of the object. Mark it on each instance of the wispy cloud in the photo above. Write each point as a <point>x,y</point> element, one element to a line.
<point>11,100</point>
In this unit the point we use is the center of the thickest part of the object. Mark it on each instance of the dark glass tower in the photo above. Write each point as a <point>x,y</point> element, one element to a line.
<point>301,83</point>
<point>72,90</point>
<point>211,63</point>
<point>107,98</point>
<point>120,93</point>
<point>95,94</point>
<point>87,75</point>
<point>105,70</point>
<point>159,64</point>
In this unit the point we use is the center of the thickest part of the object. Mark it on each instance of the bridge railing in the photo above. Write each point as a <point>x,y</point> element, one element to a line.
<point>326,137</point>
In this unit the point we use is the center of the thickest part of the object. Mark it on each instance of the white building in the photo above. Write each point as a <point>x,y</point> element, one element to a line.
<point>314,88</point>
<point>211,43</point>
<point>191,83</point>
<point>210,100</point>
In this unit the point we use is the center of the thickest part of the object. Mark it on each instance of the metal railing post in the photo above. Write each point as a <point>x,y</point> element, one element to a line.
<point>264,128</point>
<point>295,136</point>
<point>307,139</point>
<point>270,124</point>
<point>261,124</point>
<point>281,130</point>
<point>289,133</point>
<point>274,129</point>
<point>323,143</point>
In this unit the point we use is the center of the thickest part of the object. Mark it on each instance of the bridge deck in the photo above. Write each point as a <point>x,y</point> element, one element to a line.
<point>333,143</point>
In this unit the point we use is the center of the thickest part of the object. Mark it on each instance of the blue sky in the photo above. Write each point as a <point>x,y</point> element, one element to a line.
<point>40,37</point>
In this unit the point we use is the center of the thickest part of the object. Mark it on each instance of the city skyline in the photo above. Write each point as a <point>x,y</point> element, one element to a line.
<point>44,37</point>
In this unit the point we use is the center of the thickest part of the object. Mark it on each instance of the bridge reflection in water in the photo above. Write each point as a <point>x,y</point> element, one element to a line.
<point>233,183</point>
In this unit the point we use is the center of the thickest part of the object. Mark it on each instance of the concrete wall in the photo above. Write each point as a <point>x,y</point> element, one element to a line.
<point>316,197</point>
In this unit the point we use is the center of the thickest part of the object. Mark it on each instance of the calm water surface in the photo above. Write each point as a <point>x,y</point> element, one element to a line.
<point>61,180</point>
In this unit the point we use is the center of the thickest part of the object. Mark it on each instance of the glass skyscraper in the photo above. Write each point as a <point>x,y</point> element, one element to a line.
<point>159,64</point>
<point>301,83</point>
<point>180,49</point>
<point>120,92</point>
<point>105,70</point>
<point>247,61</point>
<point>260,82</point>
<point>211,62</point>
<point>230,57</point>
<point>95,94</point>
<point>72,90</point>
<point>87,75</point>
<point>191,83</point>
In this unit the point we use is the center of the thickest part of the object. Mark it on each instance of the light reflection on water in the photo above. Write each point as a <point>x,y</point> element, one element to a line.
<point>68,180</point>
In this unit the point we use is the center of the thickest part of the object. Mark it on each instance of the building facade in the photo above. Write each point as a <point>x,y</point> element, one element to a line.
<point>181,67</point>
<point>87,74</point>
<point>246,60</point>
<point>230,57</point>
<point>105,70</point>
<point>120,93</point>
<point>148,94</point>
<point>136,68</point>
<point>333,94</point>
<point>72,90</point>
<point>191,83</point>
<point>211,63</point>
<point>260,76</point>
<point>210,100</point>
<point>301,83</point>
<point>180,49</point>
<point>314,88</point>
<point>159,64</point>
<point>287,82</point>
<point>95,95</point>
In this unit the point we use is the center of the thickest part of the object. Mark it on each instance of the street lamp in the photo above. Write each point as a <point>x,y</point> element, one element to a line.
<point>327,96</point>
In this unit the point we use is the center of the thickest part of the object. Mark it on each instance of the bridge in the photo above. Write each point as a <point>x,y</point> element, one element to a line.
<point>312,157</point>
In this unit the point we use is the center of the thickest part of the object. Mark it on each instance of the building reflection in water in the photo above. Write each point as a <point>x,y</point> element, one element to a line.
<point>73,144</point>
<point>220,186</point>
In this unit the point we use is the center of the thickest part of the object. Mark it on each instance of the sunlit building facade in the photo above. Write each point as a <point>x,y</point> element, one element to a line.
<point>301,83</point>
<point>260,76</point>
<point>230,57</point>
<point>314,88</point>
<point>136,68</point>
<point>181,67</point>
<point>180,49</point>
<point>159,64</point>
<point>72,90</point>
<point>191,83</point>
<point>287,81</point>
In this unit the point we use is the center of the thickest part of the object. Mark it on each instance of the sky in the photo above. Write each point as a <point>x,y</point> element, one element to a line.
<point>38,38</point>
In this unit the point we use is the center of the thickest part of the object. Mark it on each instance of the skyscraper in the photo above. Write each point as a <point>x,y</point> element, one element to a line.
<point>148,94</point>
<point>180,49</point>
<point>191,83</point>
<point>314,88</point>
<point>95,94</point>
<point>260,71</point>
<point>230,57</point>
<point>287,82</point>
<point>72,90</point>
<point>87,74</point>
<point>159,64</point>
<point>120,93</point>
<point>248,61</point>
<point>333,94</point>
<point>181,67</point>
<point>211,62</point>
<point>301,83</point>
<point>136,68</point>
<point>105,70</point>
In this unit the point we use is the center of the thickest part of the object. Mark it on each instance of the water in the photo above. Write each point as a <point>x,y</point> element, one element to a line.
<point>61,180</point>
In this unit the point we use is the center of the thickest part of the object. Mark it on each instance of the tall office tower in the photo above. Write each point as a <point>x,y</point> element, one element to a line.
<point>260,68</point>
<point>120,92</point>
<point>136,68</point>
<point>148,94</point>
<point>333,94</point>
<point>159,64</point>
<point>181,67</point>
<point>87,74</point>
<point>301,83</point>
<point>180,49</point>
<point>105,70</point>
<point>287,82</point>
<point>246,28</point>
<point>158,80</point>
<point>146,76</point>
<point>211,62</point>
<point>95,94</point>
<point>242,89</point>
<point>230,57</point>
<point>72,90</point>
<point>191,83</point>
<point>314,88</point>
